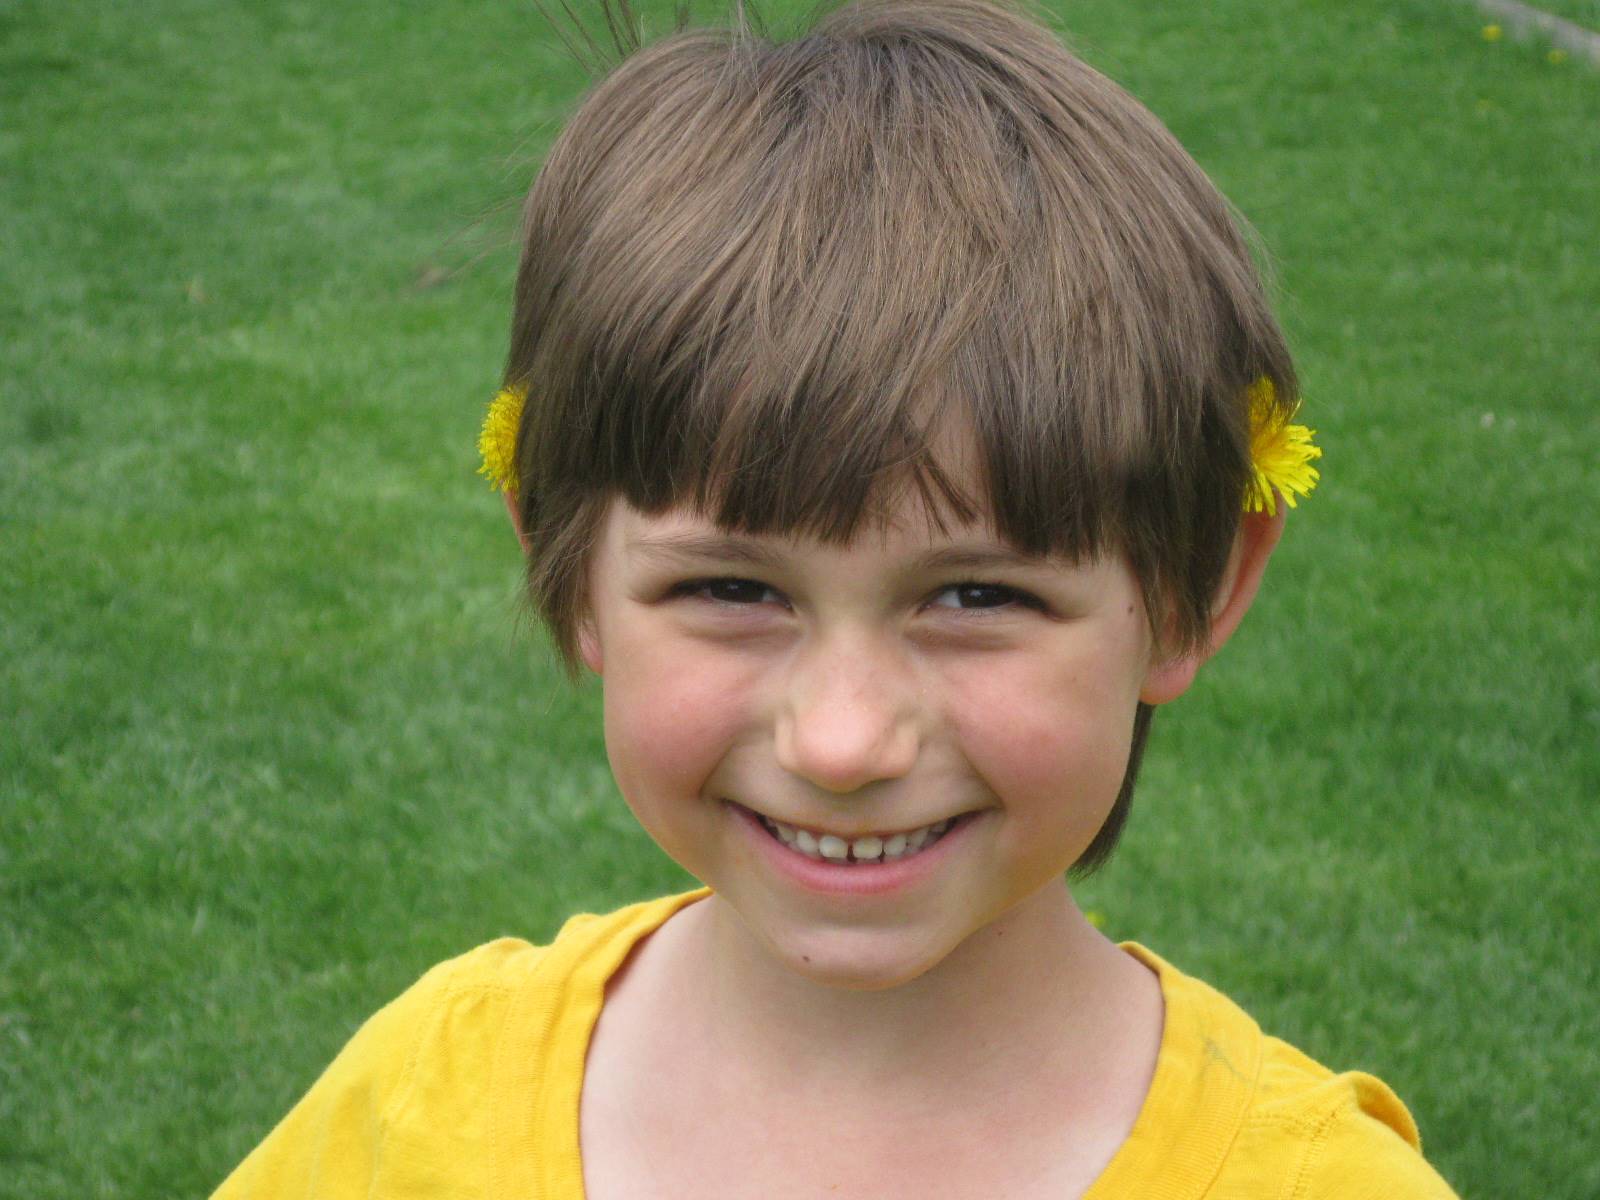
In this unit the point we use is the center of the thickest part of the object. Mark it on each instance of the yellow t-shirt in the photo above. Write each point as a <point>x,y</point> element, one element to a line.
<point>468,1086</point>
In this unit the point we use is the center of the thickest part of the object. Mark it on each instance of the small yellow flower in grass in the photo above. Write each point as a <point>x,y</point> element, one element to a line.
<point>1095,917</point>
<point>1557,57</point>
<point>1491,33</point>
<point>1280,455</point>
<point>497,441</point>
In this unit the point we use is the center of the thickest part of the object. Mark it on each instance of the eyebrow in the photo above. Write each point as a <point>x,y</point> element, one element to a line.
<point>725,548</point>
<point>977,558</point>
<point>731,548</point>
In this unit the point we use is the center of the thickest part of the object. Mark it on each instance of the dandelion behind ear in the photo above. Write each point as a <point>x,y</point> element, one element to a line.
<point>1280,453</point>
<point>497,440</point>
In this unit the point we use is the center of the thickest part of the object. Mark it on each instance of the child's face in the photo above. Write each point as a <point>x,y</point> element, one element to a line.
<point>875,689</point>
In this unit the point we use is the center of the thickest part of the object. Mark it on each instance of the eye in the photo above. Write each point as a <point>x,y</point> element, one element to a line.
<point>983,596</point>
<point>728,591</point>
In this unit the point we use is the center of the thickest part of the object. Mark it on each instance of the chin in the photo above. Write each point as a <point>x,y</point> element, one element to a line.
<point>860,960</point>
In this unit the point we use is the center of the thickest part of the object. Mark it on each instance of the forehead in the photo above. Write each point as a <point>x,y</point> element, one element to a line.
<point>911,533</point>
<point>982,499</point>
<point>939,502</point>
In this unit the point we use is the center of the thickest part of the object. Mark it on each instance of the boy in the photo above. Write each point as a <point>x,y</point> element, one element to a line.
<point>904,422</point>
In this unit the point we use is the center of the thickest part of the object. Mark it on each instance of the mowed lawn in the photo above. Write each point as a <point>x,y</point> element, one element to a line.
<point>274,737</point>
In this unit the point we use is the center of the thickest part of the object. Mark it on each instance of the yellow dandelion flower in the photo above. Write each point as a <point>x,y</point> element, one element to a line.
<point>1095,917</point>
<point>497,442</point>
<point>1491,33</point>
<point>1280,455</point>
<point>1557,57</point>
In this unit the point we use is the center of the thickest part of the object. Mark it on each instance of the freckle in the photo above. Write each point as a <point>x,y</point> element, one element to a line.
<point>805,958</point>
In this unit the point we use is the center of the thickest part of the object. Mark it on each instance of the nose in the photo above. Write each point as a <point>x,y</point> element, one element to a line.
<point>850,715</point>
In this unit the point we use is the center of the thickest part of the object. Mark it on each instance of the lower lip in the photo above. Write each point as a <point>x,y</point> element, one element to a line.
<point>854,879</point>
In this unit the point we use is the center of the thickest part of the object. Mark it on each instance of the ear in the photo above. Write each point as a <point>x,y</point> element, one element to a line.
<point>589,645</point>
<point>1258,536</point>
<point>588,640</point>
<point>516,520</point>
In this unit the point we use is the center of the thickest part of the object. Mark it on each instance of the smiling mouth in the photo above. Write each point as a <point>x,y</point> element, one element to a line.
<point>872,848</point>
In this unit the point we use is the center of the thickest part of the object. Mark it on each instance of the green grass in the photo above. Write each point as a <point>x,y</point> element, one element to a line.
<point>269,743</point>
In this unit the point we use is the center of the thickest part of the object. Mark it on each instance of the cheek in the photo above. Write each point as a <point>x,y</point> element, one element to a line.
<point>1051,741</point>
<point>669,719</point>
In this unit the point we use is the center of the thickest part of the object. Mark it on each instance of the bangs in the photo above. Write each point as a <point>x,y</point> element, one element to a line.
<point>770,281</point>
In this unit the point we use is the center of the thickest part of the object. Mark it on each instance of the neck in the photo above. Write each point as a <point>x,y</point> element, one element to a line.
<point>1038,995</point>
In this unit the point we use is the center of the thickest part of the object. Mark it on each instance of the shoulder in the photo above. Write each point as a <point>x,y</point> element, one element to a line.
<point>335,1141</point>
<point>481,975</point>
<point>412,1095</point>
<point>506,988</point>
<point>1293,1127</point>
<point>1347,1133</point>
<point>446,1025</point>
<point>455,1004</point>
<point>461,1006</point>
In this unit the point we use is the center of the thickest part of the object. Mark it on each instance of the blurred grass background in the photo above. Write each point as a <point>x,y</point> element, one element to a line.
<point>270,743</point>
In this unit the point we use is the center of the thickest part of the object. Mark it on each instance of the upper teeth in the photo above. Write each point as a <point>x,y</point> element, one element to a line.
<point>861,849</point>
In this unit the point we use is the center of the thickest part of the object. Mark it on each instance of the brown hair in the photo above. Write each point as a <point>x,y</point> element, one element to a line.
<point>757,276</point>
